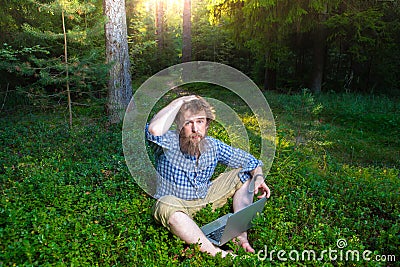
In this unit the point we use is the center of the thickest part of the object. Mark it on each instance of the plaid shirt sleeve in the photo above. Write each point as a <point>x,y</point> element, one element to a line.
<point>164,141</point>
<point>237,158</point>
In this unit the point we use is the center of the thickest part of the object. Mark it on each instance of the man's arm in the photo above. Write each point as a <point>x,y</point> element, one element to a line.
<point>259,183</point>
<point>163,120</point>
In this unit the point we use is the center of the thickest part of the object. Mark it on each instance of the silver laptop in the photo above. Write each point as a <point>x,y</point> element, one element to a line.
<point>232,225</point>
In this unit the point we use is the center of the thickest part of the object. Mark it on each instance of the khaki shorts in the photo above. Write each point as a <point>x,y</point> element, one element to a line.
<point>222,188</point>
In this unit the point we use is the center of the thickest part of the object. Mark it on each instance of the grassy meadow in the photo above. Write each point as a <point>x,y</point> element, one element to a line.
<point>68,199</point>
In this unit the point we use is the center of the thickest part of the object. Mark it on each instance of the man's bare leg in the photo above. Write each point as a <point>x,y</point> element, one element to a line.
<point>187,230</point>
<point>242,199</point>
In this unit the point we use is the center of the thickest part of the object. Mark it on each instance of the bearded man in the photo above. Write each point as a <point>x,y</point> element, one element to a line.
<point>186,165</point>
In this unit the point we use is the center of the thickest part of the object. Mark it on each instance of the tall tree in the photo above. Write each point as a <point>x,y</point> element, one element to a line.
<point>265,26</point>
<point>187,31</point>
<point>319,46</point>
<point>160,21</point>
<point>120,81</point>
<point>361,32</point>
<point>262,26</point>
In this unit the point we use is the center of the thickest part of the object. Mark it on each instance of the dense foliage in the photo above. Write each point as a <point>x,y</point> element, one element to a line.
<point>32,67</point>
<point>350,45</point>
<point>67,197</point>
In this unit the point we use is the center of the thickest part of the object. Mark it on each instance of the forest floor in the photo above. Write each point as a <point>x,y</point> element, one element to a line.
<point>68,198</point>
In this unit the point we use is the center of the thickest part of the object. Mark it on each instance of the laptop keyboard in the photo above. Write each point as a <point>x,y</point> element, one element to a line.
<point>217,234</point>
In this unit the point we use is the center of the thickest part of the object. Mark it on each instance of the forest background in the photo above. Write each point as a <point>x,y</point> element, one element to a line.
<point>329,70</point>
<point>340,46</point>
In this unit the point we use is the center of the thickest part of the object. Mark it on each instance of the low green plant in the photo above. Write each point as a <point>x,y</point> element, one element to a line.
<point>67,197</point>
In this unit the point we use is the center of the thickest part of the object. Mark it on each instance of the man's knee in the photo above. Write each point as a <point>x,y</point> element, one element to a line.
<point>165,207</point>
<point>176,218</point>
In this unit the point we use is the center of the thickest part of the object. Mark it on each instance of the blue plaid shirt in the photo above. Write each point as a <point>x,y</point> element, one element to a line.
<point>189,178</point>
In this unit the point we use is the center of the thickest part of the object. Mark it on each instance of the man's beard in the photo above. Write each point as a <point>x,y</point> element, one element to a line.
<point>189,145</point>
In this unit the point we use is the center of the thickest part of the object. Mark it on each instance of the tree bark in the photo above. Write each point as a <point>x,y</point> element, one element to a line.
<point>160,24</point>
<point>269,74</point>
<point>117,54</point>
<point>187,32</point>
<point>319,49</point>
<point>270,79</point>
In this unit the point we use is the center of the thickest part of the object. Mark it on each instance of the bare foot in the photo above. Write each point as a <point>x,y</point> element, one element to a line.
<point>244,243</point>
<point>247,247</point>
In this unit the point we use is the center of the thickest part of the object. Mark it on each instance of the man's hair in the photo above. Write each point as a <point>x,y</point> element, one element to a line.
<point>195,106</point>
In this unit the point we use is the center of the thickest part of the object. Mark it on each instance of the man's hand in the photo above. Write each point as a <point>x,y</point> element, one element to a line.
<point>163,120</point>
<point>261,187</point>
<point>259,183</point>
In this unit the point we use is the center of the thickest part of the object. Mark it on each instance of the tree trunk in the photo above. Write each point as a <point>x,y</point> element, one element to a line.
<point>187,32</point>
<point>67,69</point>
<point>318,60</point>
<point>269,74</point>
<point>270,79</point>
<point>160,24</point>
<point>117,54</point>
<point>319,48</point>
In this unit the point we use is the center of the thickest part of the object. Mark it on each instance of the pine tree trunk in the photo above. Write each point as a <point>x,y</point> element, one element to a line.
<point>187,32</point>
<point>117,53</point>
<point>319,49</point>
<point>160,24</point>
<point>269,74</point>
<point>270,80</point>
<point>318,60</point>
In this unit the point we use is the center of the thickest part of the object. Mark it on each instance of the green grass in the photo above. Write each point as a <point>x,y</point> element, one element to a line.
<point>68,199</point>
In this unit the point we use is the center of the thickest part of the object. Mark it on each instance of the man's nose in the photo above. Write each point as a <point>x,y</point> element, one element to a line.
<point>194,127</point>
